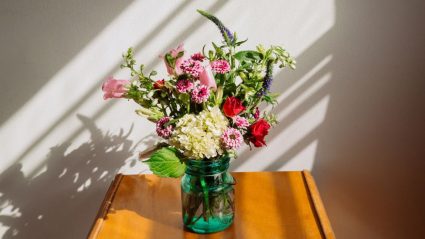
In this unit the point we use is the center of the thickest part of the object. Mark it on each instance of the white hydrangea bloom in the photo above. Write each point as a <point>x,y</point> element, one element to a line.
<point>198,136</point>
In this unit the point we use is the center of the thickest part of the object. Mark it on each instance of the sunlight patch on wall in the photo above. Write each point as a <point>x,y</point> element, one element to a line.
<point>319,84</point>
<point>295,25</point>
<point>306,77</point>
<point>68,86</point>
<point>299,129</point>
<point>288,139</point>
<point>293,128</point>
<point>49,118</point>
<point>8,210</point>
<point>303,160</point>
<point>76,88</point>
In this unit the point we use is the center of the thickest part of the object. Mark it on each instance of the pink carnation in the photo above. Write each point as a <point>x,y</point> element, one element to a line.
<point>184,86</point>
<point>241,122</point>
<point>162,130</point>
<point>232,138</point>
<point>113,88</point>
<point>220,66</point>
<point>191,67</point>
<point>200,94</point>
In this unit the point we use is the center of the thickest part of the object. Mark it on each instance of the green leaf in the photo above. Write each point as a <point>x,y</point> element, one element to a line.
<point>271,98</point>
<point>249,92</point>
<point>165,163</point>
<point>247,55</point>
<point>170,60</point>
<point>211,55</point>
<point>215,46</point>
<point>240,42</point>
<point>184,97</point>
<point>180,54</point>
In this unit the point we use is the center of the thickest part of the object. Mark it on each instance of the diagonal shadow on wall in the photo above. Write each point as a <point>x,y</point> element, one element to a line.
<point>31,31</point>
<point>370,150</point>
<point>282,82</point>
<point>76,180</point>
<point>69,188</point>
<point>102,110</point>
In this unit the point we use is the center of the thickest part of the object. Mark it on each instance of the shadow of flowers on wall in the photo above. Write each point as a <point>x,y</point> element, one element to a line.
<point>62,201</point>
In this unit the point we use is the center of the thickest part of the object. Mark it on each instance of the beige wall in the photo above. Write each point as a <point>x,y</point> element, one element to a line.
<point>353,111</point>
<point>370,158</point>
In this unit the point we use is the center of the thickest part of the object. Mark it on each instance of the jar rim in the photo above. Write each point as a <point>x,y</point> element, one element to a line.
<point>207,167</point>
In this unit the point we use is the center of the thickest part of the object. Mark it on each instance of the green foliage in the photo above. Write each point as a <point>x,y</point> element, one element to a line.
<point>248,56</point>
<point>146,82</point>
<point>152,113</point>
<point>165,163</point>
<point>271,118</point>
<point>271,98</point>
<point>249,79</point>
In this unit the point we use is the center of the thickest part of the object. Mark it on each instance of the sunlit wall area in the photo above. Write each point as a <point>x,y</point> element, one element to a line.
<point>62,143</point>
<point>370,156</point>
<point>352,111</point>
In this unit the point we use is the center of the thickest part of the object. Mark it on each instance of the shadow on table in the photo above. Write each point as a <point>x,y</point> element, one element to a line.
<point>62,200</point>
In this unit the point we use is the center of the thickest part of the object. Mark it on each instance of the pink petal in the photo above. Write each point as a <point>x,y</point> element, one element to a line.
<point>207,78</point>
<point>179,62</point>
<point>113,88</point>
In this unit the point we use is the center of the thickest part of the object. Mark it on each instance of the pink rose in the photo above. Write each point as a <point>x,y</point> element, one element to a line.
<point>178,61</point>
<point>206,78</point>
<point>113,88</point>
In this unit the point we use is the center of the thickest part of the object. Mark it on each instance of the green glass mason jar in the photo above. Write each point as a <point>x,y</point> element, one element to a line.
<point>207,195</point>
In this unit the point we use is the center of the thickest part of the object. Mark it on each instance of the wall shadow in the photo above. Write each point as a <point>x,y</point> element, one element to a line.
<point>73,184</point>
<point>34,29</point>
<point>108,105</point>
<point>62,201</point>
<point>369,159</point>
<point>370,152</point>
<point>284,80</point>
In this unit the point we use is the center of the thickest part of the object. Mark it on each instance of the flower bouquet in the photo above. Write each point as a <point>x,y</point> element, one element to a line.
<point>206,109</point>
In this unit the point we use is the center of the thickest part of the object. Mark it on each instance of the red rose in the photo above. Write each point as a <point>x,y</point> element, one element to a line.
<point>232,106</point>
<point>258,131</point>
<point>158,84</point>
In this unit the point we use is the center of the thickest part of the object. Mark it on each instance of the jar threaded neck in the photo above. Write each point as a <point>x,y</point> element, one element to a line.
<point>204,167</point>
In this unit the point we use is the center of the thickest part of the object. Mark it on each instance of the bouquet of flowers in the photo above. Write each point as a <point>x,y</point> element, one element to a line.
<point>209,105</point>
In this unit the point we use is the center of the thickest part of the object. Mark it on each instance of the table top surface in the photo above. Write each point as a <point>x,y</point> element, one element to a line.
<point>268,205</point>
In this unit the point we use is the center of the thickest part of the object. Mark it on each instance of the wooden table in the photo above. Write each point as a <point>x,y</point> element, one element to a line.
<point>268,205</point>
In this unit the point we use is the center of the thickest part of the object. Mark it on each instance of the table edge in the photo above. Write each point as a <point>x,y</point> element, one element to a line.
<point>317,203</point>
<point>104,207</point>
